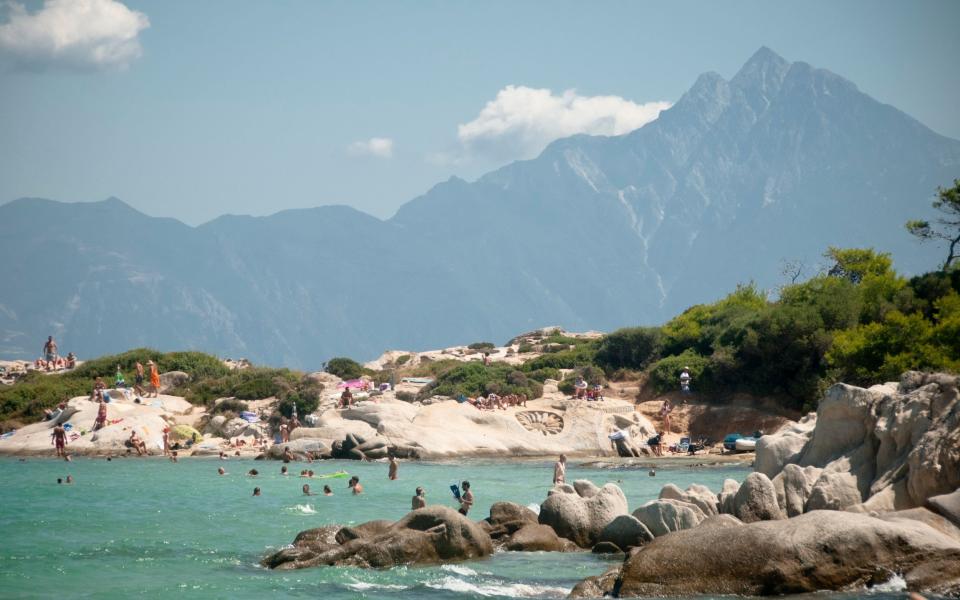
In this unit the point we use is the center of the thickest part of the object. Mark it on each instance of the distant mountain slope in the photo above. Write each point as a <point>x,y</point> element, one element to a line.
<point>778,162</point>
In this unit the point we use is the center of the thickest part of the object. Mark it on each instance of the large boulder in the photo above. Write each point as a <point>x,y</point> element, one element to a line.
<point>727,493</point>
<point>756,500</point>
<point>938,522</point>
<point>625,532</point>
<point>506,518</point>
<point>834,491</point>
<point>579,518</point>
<point>425,536</point>
<point>820,550</point>
<point>173,379</point>
<point>697,494</point>
<point>793,486</point>
<point>234,427</point>
<point>947,505</point>
<point>783,447</point>
<point>538,538</point>
<point>661,517</point>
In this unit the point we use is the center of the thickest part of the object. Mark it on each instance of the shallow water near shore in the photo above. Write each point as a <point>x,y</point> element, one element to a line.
<point>151,528</point>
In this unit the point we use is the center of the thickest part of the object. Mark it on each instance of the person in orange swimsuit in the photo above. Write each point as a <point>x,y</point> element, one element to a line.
<point>154,378</point>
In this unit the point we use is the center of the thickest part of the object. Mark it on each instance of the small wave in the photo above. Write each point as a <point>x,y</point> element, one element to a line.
<point>896,583</point>
<point>303,509</point>
<point>363,586</point>
<point>509,590</point>
<point>459,569</point>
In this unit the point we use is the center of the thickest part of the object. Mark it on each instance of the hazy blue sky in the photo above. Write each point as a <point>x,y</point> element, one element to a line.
<point>193,109</point>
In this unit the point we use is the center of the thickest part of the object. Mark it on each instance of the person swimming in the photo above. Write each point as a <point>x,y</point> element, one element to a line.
<point>419,499</point>
<point>306,490</point>
<point>354,485</point>
<point>327,491</point>
<point>253,473</point>
<point>256,491</point>
<point>221,471</point>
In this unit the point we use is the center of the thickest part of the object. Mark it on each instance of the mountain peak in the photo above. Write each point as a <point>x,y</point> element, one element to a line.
<point>764,70</point>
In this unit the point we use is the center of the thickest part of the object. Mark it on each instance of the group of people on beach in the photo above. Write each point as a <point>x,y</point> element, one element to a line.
<point>493,401</point>
<point>50,359</point>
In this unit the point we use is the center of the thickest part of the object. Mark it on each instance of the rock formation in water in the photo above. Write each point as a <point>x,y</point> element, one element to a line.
<point>821,550</point>
<point>428,535</point>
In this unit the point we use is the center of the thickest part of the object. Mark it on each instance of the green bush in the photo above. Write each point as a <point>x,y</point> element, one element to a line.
<point>543,374</point>
<point>665,373</point>
<point>472,379</point>
<point>581,356</point>
<point>230,404</point>
<point>345,368</point>
<point>406,396</point>
<point>525,347</point>
<point>481,346</point>
<point>403,359</point>
<point>630,348</point>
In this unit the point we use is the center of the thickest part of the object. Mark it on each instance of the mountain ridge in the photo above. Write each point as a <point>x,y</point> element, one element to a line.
<point>596,232</point>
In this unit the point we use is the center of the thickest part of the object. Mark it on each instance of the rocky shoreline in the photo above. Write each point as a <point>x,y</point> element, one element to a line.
<point>849,498</point>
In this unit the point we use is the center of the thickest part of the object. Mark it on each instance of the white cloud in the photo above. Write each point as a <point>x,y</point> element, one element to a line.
<point>521,121</point>
<point>97,34</point>
<point>378,147</point>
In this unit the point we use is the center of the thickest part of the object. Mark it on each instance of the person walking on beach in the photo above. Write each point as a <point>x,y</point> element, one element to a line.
<point>466,499</point>
<point>419,499</point>
<point>166,441</point>
<point>560,471</point>
<point>138,380</point>
<point>154,378</point>
<point>394,466</point>
<point>50,352</point>
<point>59,436</point>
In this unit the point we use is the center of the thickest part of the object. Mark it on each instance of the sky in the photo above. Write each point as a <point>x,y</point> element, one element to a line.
<point>192,109</point>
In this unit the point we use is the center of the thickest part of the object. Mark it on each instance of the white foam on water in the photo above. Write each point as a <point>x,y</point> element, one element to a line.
<point>510,590</point>
<point>534,507</point>
<point>304,509</point>
<point>896,583</point>
<point>363,586</point>
<point>458,569</point>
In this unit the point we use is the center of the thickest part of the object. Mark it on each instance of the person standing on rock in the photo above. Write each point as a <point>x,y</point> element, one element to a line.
<point>154,378</point>
<point>59,436</point>
<point>685,380</point>
<point>101,421</point>
<point>419,499</point>
<point>50,352</point>
<point>560,470</point>
<point>466,498</point>
<point>665,410</point>
<point>394,467</point>
<point>138,381</point>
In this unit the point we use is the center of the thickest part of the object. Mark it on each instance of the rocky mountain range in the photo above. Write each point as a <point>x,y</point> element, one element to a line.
<point>777,163</point>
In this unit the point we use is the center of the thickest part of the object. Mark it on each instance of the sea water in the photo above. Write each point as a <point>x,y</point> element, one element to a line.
<point>151,528</point>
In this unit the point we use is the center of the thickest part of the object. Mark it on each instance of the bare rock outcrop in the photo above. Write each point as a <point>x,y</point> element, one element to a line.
<point>581,518</point>
<point>661,517</point>
<point>697,494</point>
<point>425,536</point>
<point>889,447</point>
<point>625,532</point>
<point>820,550</point>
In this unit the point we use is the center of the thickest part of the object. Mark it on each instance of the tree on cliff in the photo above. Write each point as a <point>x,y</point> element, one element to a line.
<point>948,203</point>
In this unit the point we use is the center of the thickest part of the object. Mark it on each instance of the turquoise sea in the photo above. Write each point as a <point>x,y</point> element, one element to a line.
<point>154,529</point>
